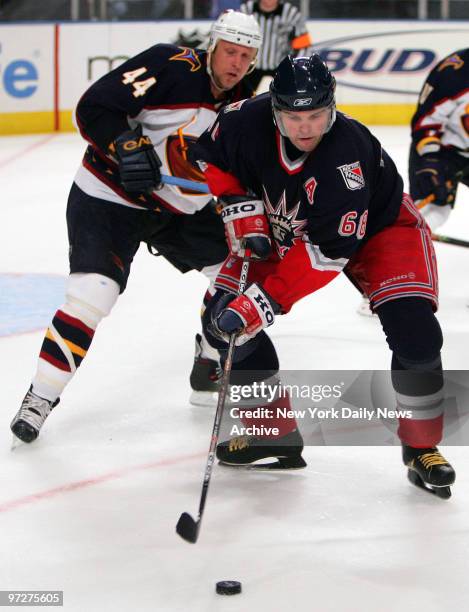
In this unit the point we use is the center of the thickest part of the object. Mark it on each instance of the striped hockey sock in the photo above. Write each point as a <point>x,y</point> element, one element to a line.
<point>65,345</point>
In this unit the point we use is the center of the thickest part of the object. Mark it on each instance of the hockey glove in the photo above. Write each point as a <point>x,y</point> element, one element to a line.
<point>431,179</point>
<point>245,315</point>
<point>139,165</point>
<point>246,226</point>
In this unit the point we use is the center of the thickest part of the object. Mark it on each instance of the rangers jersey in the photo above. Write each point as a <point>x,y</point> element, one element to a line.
<point>165,92</point>
<point>442,115</point>
<point>321,205</point>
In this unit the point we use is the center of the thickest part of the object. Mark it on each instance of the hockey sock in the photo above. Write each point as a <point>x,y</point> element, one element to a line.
<point>414,335</point>
<point>90,297</point>
<point>65,344</point>
<point>419,391</point>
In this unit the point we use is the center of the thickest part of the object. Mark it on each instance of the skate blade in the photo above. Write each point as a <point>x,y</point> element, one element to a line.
<point>204,398</point>
<point>15,442</point>
<point>364,308</point>
<point>366,312</point>
<point>281,464</point>
<point>443,492</point>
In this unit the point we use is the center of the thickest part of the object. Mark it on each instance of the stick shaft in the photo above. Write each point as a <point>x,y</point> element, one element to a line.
<point>185,183</point>
<point>450,240</point>
<point>222,397</point>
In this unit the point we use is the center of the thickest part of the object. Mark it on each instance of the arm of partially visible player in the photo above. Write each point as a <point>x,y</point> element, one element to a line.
<point>429,168</point>
<point>103,110</point>
<point>438,99</point>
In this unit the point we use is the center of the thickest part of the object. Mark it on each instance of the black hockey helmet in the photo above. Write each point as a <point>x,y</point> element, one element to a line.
<point>300,84</point>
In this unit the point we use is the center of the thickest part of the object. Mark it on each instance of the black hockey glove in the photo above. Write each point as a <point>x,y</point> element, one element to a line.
<point>139,165</point>
<point>431,179</point>
<point>246,226</point>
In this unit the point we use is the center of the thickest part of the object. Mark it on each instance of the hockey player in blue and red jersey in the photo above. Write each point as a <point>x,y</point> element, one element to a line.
<point>439,152</point>
<point>139,121</point>
<point>327,198</point>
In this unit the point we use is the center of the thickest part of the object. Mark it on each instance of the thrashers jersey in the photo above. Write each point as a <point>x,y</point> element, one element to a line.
<point>165,92</point>
<point>442,115</point>
<point>321,205</point>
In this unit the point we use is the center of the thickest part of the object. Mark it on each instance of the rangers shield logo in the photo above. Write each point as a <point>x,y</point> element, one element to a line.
<point>352,175</point>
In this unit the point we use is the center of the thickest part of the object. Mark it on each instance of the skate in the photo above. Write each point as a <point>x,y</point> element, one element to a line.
<point>247,450</point>
<point>31,416</point>
<point>204,378</point>
<point>429,470</point>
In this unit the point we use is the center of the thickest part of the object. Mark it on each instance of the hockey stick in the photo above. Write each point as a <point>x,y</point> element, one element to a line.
<point>450,240</point>
<point>185,183</point>
<point>186,526</point>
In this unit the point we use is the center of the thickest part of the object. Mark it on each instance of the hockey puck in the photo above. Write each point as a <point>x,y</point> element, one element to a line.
<point>228,587</point>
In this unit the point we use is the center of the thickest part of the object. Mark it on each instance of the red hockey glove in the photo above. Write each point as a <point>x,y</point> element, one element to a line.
<point>246,226</point>
<point>245,315</point>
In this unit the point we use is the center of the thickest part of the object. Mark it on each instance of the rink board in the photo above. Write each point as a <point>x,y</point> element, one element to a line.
<point>45,68</point>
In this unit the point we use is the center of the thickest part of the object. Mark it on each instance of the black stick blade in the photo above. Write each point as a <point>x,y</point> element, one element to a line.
<point>187,528</point>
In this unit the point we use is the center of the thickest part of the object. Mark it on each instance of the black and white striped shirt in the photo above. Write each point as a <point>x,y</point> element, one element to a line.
<point>283,31</point>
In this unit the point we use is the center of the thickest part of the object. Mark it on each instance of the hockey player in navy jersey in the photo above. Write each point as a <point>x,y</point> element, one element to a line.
<point>439,152</point>
<point>329,199</point>
<point>139,120</point>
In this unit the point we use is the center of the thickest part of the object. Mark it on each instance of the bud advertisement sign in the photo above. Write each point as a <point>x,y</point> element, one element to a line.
<point>379,65</point>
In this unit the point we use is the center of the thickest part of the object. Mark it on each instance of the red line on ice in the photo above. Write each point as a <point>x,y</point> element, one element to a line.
<point>31,147</point>
<point>89,482</point>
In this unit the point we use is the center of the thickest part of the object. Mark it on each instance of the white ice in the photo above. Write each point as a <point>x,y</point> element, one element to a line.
<point>91,507</point>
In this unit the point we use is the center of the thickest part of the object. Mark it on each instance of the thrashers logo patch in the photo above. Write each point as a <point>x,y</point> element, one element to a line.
<point>453,61</point>
<point>178,163</point>
<point>188,55</point>
<point>352,175</point>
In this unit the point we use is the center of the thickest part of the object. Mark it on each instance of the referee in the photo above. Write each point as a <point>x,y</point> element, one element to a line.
<point>283,30</point>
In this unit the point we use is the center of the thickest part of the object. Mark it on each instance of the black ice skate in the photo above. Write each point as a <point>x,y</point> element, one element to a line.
<point>31,416</point>
<point>247,450</point>
<point>429,470</point>
<point>204,378</point>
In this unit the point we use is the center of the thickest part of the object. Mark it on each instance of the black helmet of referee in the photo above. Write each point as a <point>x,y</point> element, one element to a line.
<point>302,84</point>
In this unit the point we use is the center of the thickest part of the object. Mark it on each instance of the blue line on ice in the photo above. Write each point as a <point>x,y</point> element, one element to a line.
<point>28,301</point>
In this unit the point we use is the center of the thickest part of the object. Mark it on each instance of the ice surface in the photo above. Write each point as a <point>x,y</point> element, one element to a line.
<point>91,507</point>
